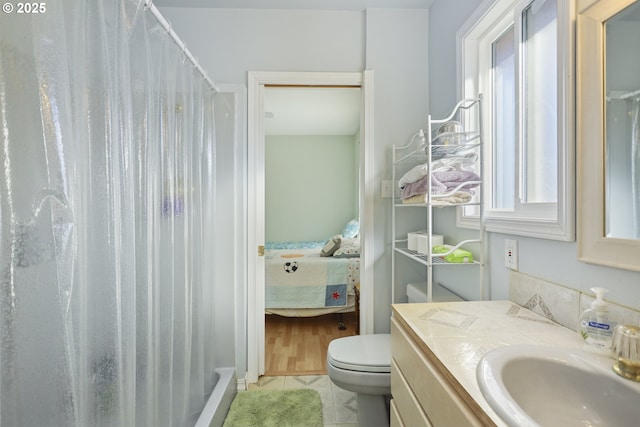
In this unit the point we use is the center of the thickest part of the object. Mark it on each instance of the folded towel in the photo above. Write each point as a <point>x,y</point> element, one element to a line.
<point>450,180</point>
<point>415,174</point>
<point>414,188</point>
<point>443,183</point>
<point>457,198</point>
<point>459,162</point>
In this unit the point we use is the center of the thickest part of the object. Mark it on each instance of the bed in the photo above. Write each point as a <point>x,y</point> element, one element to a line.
<point>304,279</point>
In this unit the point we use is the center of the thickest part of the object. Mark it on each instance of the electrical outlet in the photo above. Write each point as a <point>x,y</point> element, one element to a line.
<point>386,189</point>
<point>511,254</point>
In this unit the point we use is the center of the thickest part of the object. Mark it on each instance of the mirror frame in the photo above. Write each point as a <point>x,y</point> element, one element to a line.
<point>593,247</point>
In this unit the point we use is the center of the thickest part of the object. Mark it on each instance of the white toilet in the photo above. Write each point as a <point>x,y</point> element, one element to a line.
<point>362,364</point>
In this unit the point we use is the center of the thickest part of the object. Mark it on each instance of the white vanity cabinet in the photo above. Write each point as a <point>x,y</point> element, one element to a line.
<point>423,392</point>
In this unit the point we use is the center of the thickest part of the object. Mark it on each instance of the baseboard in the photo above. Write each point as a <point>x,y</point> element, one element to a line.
<point>241,384</point>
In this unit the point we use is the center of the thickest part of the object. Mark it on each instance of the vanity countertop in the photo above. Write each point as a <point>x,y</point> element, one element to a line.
<point>456,335</point>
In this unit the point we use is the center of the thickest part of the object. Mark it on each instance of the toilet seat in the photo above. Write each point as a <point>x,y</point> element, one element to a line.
<point>361,353</point>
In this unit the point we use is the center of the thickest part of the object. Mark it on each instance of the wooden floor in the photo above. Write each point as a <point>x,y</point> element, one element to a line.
<point>298,345</point>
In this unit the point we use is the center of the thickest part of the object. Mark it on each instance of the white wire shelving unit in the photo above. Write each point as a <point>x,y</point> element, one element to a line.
<point>423,151</point>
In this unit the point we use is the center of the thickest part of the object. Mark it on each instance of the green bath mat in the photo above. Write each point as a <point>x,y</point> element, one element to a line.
<point>275,408</point>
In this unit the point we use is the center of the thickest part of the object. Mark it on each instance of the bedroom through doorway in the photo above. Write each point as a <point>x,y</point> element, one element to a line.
<point>312,162</point>
<point>258,84</point>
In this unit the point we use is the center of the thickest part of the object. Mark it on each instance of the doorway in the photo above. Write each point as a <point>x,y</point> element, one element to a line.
<point>257,82</point>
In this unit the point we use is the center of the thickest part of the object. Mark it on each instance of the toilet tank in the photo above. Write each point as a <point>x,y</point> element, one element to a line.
<point>417,292</point>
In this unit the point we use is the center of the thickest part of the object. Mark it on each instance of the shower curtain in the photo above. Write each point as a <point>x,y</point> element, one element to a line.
<point>106,216</point>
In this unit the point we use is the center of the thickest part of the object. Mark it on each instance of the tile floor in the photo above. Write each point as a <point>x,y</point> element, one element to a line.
<point>339,406</point>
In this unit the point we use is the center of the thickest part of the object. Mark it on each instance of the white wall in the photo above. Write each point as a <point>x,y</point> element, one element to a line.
<point>230,42</point>
<point>397,51</point>
<point>392,42</point>
<point>310,186</point>
<point>224,105</point>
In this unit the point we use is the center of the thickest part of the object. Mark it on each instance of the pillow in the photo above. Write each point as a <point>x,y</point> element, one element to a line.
<point>349,248</point>
<point>351,229</point>
<point>331,246</point>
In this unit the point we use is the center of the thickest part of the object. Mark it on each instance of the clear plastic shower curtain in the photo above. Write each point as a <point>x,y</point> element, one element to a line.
<point>106,216</point>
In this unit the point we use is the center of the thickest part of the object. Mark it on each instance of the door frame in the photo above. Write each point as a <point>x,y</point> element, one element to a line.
<point>256,199</point>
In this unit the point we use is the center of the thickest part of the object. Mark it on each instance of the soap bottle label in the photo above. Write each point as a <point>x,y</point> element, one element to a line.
<point>603,326</point>
<point>597,334</point>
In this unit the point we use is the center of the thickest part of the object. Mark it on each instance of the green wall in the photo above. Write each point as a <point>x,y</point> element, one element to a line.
<point>311,186</point>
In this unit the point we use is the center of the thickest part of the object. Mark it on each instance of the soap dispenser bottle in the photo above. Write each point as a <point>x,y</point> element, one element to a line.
<point>595,325</point>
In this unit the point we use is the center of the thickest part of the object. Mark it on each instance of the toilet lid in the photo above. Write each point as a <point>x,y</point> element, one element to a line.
<point>364,353</point>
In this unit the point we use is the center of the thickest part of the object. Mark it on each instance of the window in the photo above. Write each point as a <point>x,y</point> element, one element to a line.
<point>519,55</point>
<point>504,119</point>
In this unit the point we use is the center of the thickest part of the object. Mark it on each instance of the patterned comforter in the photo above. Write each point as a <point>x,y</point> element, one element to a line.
<point>303,279</point>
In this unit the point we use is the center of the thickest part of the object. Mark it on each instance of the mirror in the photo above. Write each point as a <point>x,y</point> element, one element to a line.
<point>622,124</point>
<point>608,133</point>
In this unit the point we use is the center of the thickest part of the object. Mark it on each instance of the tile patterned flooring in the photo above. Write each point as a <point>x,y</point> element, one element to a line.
<point>339,406</point>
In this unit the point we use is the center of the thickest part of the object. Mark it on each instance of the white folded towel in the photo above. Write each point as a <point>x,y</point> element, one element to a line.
<point>461,162</point>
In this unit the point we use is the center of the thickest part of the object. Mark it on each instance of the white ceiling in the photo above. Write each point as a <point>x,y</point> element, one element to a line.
<point>298,4</point>
<point>312,111</point>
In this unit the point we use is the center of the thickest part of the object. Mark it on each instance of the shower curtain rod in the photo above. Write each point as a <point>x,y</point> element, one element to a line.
<point>167,26</point>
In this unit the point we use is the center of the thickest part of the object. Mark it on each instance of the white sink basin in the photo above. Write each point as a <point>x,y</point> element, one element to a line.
<point>528,385</point>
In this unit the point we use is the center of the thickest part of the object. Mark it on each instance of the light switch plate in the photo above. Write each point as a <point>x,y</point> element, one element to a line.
<point>386,189</point>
